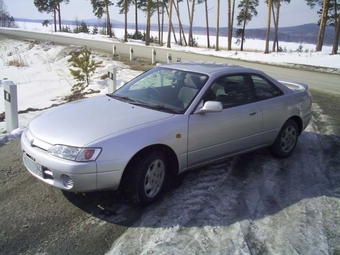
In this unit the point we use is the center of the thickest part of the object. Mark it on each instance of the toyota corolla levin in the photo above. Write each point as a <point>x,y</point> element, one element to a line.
<point>168,120</point>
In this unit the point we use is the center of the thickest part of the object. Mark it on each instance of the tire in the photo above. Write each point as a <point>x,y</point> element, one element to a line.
<point>286,140</point>
<point>145,178</point>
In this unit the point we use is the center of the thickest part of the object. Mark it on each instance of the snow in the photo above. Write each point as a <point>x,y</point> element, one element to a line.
<point>195,218</point>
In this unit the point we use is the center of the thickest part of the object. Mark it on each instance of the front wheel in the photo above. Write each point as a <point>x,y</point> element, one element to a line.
<point>145,178</point>
<point>286,140</point>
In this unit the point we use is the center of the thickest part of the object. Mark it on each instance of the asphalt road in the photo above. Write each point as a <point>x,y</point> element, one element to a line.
<point>325,82</point>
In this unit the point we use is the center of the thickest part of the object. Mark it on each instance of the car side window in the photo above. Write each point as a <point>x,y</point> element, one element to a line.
<point>264,89</point>
<point>231,91</point>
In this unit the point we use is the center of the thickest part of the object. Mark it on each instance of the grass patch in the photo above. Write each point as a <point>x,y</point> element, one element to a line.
<point>17,62</point>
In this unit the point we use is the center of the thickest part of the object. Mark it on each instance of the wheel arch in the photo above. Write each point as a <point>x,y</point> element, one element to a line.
<point>170,156</point>
<point>298,121</point>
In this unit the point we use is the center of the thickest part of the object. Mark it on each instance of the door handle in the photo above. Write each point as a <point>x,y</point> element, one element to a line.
<point>253,113</point>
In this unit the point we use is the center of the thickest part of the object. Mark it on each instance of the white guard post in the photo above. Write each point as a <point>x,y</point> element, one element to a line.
<point>11,106</point>
<point>169,57</point>
<point>114,50</point>
<point>112,84</point>
<point>154,60</point>
<point>131,53</point>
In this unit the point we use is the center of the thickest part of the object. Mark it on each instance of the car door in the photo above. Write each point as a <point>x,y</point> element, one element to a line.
<point>236,128</point>
<point>272,103</point>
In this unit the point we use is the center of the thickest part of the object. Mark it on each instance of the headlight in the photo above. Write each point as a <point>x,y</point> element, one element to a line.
<point>74,153</point>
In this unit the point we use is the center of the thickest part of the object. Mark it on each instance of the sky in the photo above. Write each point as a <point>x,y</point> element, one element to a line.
<point>295,13</point>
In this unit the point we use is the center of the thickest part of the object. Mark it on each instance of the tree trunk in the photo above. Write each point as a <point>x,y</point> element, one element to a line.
<point>336,38</point>
<point>162,26</point>
<point>276,24</point>
<point>217,48</point>
<point>229,25</point>
<point>59,15</point>
<point>148,23</point>
<point>55,19</point>
<point>230,22</point>
<point>207,22</point>
<point>266,51</point>
<point>168,44</point>
<point>181,30</point>
<point>172,26</point>
<point>125,19</point>
<point>244,24</point>
<point>322,28</point>
<point>108,23</point>
<point>191,20</point>
<point>180,26</point>
<point>158,23</point>
<point>136,19</point>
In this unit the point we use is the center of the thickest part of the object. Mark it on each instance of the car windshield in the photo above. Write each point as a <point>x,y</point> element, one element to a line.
<point>163,89</point>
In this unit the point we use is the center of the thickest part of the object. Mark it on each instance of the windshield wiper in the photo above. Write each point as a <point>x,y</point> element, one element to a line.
<point>121,98</point>
<point>164,108</point>
<point>151,106</point>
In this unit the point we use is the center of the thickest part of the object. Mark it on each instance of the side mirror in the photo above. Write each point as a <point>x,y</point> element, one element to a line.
<point>210,106</point>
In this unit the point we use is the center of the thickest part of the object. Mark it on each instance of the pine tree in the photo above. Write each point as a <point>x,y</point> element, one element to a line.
<point>247,11</point>
<point>101,7</point>
<point>95,30</point>
<point>83,27</point>
<point>124,6</point>
<point>51,6</point>
<point>85,67</point>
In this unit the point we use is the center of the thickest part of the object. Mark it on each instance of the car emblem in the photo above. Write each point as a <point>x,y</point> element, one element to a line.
<point>31,142</point>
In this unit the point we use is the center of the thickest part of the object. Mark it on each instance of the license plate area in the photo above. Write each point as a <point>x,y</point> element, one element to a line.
<point>32,166</point>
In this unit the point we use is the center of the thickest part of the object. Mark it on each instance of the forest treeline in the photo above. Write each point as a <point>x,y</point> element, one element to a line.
<point>170,12</point>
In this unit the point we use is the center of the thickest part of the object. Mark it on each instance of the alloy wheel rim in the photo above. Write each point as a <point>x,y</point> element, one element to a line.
<point>154,178</point>
<point>288,139</point>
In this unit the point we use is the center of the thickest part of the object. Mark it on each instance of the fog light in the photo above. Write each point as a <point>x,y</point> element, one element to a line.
<point>66,181</point>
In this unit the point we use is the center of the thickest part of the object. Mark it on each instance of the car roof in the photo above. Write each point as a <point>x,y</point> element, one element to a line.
<point>209,67</point>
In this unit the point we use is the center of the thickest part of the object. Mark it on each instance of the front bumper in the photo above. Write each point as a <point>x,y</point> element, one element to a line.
<point>65,174</point>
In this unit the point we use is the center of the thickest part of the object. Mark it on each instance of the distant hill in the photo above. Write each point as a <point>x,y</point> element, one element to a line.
<point>300,34</point>
<point>307,33</point>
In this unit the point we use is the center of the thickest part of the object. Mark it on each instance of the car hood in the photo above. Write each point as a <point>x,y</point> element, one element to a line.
<point>82,122</point>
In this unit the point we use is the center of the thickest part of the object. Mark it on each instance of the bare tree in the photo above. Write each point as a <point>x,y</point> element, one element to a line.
<point>181,30</point>
<point>266,51</point>
<point>191,12</point>
<point>6,20</point>
<point>124,9</point>
<point>231,12</point>
<point>337,35</point>
<point>207,22</point>
<point>276,4</point>
<point>323,20</point>
<point>217,48</point>
<point>323,24</point>
<point>169,25</point>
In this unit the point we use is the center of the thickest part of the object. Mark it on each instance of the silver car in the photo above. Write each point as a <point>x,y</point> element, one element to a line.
<point>168,120</point>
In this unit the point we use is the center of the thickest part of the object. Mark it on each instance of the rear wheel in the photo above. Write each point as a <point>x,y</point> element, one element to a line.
<point>286,140</point>
<point>145,178</point>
